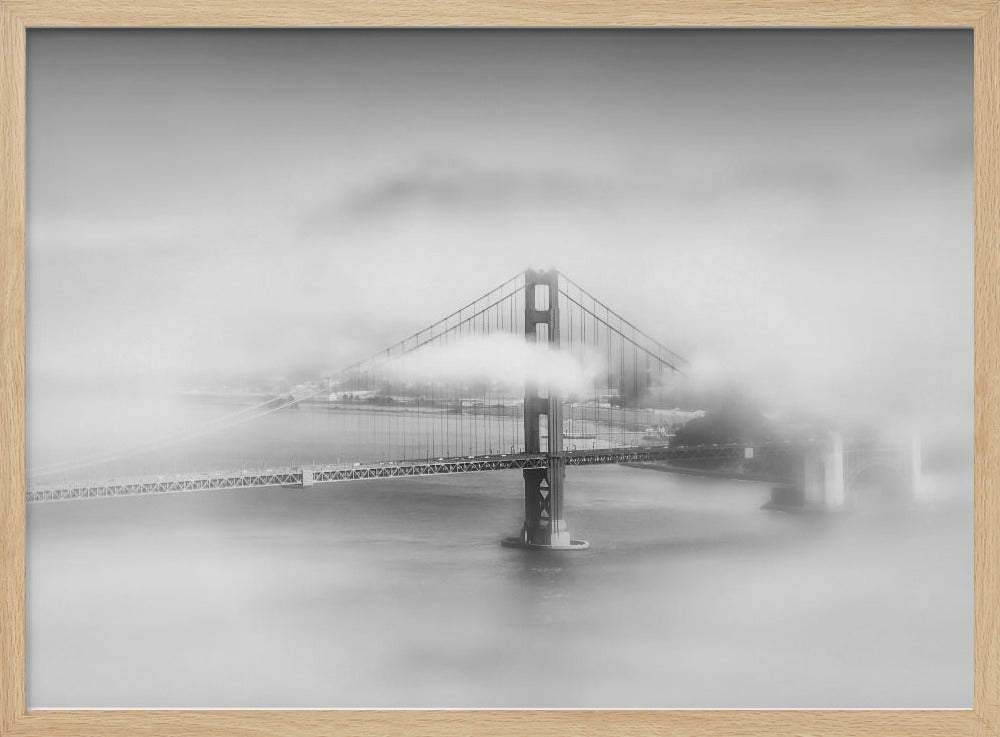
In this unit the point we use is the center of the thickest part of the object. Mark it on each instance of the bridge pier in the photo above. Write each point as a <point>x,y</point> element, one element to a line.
<point>823,474</point>
<point>544,525</point>
<point>832,475</point>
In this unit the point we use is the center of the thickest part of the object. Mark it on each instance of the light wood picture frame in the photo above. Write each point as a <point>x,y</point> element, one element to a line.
<point>17,16</point>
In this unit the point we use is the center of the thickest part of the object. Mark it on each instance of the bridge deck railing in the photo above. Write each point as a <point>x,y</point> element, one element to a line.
<point>299,476</point>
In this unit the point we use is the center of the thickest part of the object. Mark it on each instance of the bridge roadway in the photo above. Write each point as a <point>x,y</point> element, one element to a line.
<point>308,475</point>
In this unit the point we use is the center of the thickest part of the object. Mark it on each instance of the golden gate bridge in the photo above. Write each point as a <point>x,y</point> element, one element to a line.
<point>535,375</point>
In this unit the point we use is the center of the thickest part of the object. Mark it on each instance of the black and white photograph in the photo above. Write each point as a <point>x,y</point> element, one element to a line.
<point>496,368</point>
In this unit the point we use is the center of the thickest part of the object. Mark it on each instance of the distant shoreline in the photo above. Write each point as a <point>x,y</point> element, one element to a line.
<point>707,472</point>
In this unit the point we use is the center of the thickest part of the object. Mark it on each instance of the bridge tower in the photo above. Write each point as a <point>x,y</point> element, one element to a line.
<point>544,522</point>
<point>823,474</point>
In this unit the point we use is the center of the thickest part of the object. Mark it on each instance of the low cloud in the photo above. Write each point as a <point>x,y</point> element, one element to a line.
<point>499,358</point>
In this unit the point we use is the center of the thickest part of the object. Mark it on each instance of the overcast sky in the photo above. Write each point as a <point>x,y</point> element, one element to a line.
<point>790,207</point>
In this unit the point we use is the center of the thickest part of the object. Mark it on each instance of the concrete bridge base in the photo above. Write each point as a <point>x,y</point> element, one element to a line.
<point>544,526</point>
<point>561,543</point>
<point>833,475</point>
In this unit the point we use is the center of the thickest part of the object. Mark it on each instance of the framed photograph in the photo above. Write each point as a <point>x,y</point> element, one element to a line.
<point>469,369</point>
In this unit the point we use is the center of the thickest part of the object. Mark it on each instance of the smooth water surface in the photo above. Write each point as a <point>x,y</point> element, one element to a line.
<point>397,593</point>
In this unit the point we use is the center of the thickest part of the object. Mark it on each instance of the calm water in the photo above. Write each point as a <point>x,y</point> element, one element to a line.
<point>397,593</point>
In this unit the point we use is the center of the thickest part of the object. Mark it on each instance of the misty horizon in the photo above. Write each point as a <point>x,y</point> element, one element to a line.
<point>803,230</point>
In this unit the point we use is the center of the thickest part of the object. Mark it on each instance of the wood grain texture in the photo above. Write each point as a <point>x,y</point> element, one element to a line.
<point>12,367</point>
<point>16,15</point>
<point>495,13</point>
<point>504,723</point>
<point>987,380</point>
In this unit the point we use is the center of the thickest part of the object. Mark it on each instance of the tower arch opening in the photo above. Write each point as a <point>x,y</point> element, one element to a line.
<point>878,485</point>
